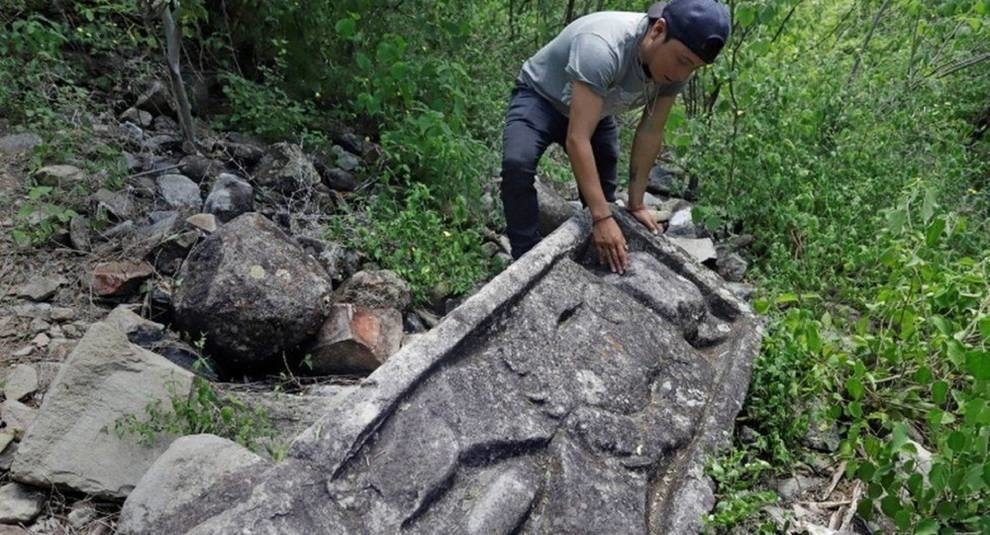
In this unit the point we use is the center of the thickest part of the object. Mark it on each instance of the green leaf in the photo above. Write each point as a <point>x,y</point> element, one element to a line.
<point>855,388</point>
<point>934,233</point>
<point>940,389</point>
<point>928,526</point>
<point>978,364</point>
<point>957,441</point>
<point>928,206</point>
<point>984,326</point>
<point>346,28</point>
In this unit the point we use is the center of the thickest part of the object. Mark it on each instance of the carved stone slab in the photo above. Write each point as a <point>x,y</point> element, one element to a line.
<point>559,399</point>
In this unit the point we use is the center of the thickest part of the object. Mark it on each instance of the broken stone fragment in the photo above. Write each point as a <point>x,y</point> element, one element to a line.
<point>120,278</point>
<point>21,382</point>
<point>180,192</point>
<point>701,249</point>
<point>79,232</point>
<point>40,288</point>
<point>58,176</point>
<point>204,222</point>
<point>137,329</point>
<point>20,504</point>
<point>356,339</point>
<point>117,204</point>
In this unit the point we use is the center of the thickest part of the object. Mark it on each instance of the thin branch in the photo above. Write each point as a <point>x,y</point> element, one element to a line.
<point>959,65</point>
<point>866,41</point>
<point>783,23</point>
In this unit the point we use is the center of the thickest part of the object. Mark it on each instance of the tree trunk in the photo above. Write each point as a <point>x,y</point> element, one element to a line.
<point>173,38</point>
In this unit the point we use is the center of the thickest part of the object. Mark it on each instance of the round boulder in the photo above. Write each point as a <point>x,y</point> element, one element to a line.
<point>253,293</point>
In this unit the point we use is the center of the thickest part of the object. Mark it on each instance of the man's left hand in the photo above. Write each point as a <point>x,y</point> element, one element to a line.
<point>645,216</point>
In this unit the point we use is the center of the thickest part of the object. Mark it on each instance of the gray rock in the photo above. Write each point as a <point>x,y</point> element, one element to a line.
<point>375,289</point>
<point>72,442</point>
<point>130,133</point>
<point>131,162</point>
<point>229,198</point>
<point>40,288</point>
<point>180,192</point>
<point>340,262</point>
<point>741,290</point>
<point>137,116</point>
<point>62,314</point>
<point>188,469</point>
<point>549,402</point>
<point>21,382</point>
<point>339,179</point>
<point>681,225</point>
<point>205,222</point>
<point>20,504</point>
<point>664,182</point>
<point>33,310</point>
<point>731,266</point>
<point>18,416</point>
<point>243,152</point>
<point>119,231</point>
<point>164,123</point>
<point>23,352</point>
<point>58,176</point>
<point>344,159</point>
<point>251,261</point>
<point>554,209</point>
<point>116,204</point>
<point>792,488</point>
<point>199,168</point>
<point>701,249</point>
<point>137,329</point>
<point>82,513</point>
<point>17,143</point>
<point>79,233</point>
<point>285,168</point>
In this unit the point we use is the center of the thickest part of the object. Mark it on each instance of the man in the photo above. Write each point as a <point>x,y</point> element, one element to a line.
<point>568,93</point>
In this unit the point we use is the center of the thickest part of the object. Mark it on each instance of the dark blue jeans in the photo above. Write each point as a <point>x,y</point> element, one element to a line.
<point>531,124</point>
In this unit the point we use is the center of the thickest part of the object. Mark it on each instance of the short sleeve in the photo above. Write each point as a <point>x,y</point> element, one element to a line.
<point>593,62</point>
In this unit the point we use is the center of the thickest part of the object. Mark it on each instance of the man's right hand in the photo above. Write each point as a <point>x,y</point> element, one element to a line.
<point>645,216</point>
<point>610,244</point>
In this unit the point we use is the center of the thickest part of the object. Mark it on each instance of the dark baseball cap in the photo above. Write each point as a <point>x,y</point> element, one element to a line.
<point>702,25</point>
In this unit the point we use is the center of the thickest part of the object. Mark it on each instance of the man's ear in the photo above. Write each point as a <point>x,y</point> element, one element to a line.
<point>658,29</point>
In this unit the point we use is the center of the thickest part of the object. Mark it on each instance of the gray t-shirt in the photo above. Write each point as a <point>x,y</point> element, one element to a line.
<point>601,50</point>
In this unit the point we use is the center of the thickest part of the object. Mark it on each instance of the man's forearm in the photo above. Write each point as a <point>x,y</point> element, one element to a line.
<point>646,146</point>
<point>583,164</point>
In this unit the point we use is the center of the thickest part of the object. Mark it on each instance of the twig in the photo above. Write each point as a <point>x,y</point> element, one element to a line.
<point>853,503</point>
<point>826,505</point>
<point>866,41</point>
<point>835,480</point>
<point>153,171</point>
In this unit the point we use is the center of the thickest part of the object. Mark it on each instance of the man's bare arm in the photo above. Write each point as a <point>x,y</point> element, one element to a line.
<point>646,146</point>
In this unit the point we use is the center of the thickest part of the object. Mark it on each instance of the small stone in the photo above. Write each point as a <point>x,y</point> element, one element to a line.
<point>117,204</point>
<point>199,168</point>
<point>137,116</point>
<point>681,225</point>
<point>59,348</point>
<point>56,332</point>
<point>21,382</point>
<point>34,310</point>
<point>18,143</point>
<point>138,330</point>
<point>700,249</point>
<point>339,179</point>
<point>731,267</point>
<point>356,339</point>
<point>792,488</point>
<point>41,341</point>
<point>125,228</point>
<point>23,352</point>
<point>82,513</point>
<point>39,325</point>
<point>62,314</point>
<point>345,160</point>
<point>5,440</point>
<point>40,289</point>
<point>79,233</point>
<point>17,416</point>
<point>229,198</point>
<point>132,162</point>
<point>58,176</point>
<point>180,192</point>
<point>119,278</point>
<point>205,222</point>
<point>661,216</point>
<point>490,248</point>
<point>20,504</point>
<point>71,331</point>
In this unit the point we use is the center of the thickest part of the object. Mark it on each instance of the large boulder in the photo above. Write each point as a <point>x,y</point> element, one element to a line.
<point>73,443</point>
<point>252,292</point>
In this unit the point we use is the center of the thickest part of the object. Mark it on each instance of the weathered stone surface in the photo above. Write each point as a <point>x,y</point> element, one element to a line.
<point>180,192</point>
<point>701,249</point>
<point>681,225</point>
<point>116,204</point>
<point>252,292</point>
<point>204,222</point>
<point>17,416</point>
<point>58,176</point>
<point>375,289</point>
<point>72,442</point>
<point>19,504</point>
<point>664,182</point>
<point>79,232</point>
<point>554,209</point>
<point>199,168</point>
<point>21,382</point>
<point>119,278</point>
<point>286,168</point>
<point>356,339</point>
<point>190,466</point>
<point>137,329</point>
<point>17,143</point>
<point>229,198</point>
<point>731,266</point>
<point>555,402</point>
<point>40,288</point>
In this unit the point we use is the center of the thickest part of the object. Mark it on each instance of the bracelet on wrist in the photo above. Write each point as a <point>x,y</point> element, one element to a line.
<point>600,219</point>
